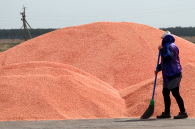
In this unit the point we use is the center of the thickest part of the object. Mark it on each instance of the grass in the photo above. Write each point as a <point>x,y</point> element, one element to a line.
<point>191,39</point>
<point>6,46</point>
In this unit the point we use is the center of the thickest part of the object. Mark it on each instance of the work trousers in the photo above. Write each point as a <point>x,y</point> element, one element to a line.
<point>167,99</point>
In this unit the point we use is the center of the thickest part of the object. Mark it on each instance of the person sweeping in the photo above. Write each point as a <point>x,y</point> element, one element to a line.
<point>172,74</point>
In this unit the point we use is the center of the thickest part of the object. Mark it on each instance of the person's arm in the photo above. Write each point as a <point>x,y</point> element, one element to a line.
<point>158,69</point>
<point>166,53</point>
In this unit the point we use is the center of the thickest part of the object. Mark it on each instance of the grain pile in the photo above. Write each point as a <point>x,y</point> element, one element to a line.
<point>97,70</point>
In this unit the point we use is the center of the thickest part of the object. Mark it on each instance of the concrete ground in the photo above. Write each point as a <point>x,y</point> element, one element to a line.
<point>117,123</point>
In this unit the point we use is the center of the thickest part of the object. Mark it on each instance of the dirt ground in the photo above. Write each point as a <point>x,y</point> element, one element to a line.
<point>11,41</point>
<point>6,44</point>
<point>191,39</point>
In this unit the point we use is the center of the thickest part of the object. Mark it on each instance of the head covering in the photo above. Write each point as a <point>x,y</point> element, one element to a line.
<point>165,34</point>
<point>168,39</point>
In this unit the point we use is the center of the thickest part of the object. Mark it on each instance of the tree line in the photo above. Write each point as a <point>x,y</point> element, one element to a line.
<point>19,34</point>
<point>181,31</point>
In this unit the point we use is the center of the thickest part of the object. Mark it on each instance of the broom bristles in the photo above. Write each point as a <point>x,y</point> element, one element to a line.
<point>149,112</point>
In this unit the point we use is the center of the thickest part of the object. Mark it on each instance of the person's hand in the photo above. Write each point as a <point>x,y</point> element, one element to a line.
<point>156,72</point>
<point>160,47</point>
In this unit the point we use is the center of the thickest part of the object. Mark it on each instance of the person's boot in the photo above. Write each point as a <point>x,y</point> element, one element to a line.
<point>164,115</point>
<point>181,115</point>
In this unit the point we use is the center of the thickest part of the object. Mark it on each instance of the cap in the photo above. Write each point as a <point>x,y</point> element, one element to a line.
<point>165,34</point>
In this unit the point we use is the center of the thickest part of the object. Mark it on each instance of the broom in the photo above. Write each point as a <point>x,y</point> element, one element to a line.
<point>149,112</point>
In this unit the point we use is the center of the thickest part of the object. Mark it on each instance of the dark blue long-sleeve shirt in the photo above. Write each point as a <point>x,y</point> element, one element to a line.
<point>170,62</point>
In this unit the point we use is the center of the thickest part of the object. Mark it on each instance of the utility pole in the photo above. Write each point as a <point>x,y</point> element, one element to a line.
<point>24,23</point>
<point>25,26</point>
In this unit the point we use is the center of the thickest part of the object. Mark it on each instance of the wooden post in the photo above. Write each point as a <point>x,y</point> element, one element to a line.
<point>24,24</point>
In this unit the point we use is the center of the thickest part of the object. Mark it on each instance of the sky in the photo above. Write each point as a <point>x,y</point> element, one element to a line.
<point>65,13</point>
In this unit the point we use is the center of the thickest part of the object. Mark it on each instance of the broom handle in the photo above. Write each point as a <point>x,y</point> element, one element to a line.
<point>156,76</point>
